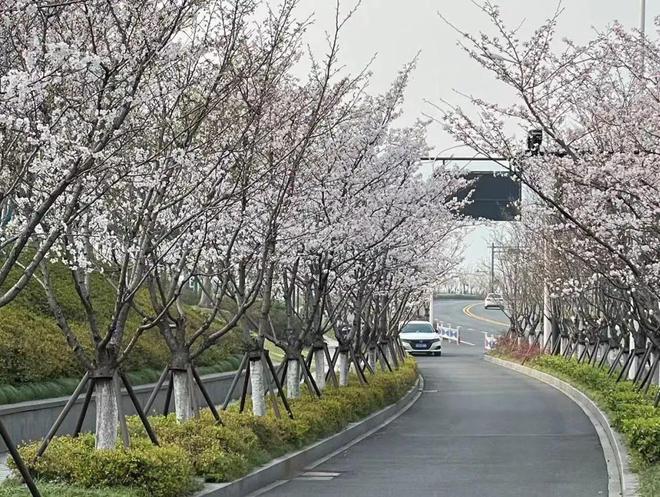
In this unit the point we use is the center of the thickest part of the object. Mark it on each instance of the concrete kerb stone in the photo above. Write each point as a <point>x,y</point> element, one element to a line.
<point>621,480</point>
<point>284,468</point>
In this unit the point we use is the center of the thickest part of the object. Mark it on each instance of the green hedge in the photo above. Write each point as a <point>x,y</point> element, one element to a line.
<point>33,349</point>
<point>216,453</point>
<point>631,412</point>
<point>156,471</point>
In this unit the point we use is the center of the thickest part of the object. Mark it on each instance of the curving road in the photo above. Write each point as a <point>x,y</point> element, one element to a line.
<point>477,431</point>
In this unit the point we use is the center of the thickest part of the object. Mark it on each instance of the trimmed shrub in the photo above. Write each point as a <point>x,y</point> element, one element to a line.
<point>218,453</point>
<point>158,471</point>
<point>644,435</point>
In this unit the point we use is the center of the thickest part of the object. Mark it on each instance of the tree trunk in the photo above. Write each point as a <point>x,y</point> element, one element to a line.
<point>107,413</point>
<point>372,358</point>
<point>632,371</point>
<point>293,379</point>
<point>204,299</point>
<point>612,356</point>
<point>183,396</point>
<point>319,363</point>
<point>343,369</point>
<point>258,389</point>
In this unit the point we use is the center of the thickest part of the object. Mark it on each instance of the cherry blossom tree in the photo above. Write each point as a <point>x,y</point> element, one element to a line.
<point>595,174</point>
<point>145,210</point>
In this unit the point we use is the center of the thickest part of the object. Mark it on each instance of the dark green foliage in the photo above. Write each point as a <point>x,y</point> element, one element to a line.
<point>34,352</point>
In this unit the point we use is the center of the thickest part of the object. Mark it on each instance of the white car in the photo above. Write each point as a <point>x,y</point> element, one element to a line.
<point>494,301</point>
<point>419,337</point>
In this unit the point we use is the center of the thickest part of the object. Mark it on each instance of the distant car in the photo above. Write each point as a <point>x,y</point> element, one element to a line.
<point>494,301</point>
<point>419,337</point>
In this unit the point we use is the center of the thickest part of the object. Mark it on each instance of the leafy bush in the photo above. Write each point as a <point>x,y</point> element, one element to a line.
<point>218,453</point>
<point>158,471</point>
<point>644,435</point>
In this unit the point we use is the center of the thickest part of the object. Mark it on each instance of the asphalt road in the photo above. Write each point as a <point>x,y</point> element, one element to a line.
<point>473,319</point>
<point>477,431</point>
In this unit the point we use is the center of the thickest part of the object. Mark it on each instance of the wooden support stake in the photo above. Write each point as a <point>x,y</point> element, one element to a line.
<point>83,411</point>
<point>331,366</point>
<point>246,382</point>
<point>123,427</point>
<point>207,397</point>
<point>138,408</point>
<point>309,380</point>
<point>331,369</point>
<point>279,386</point>
<point>154,392</point>
<point>234,382</point>
<point>168,394</point>
<point>616,362</point>
<point>271,375</point>
<point>20,464</point>
<point>62,416</point>
<point>626,365</point>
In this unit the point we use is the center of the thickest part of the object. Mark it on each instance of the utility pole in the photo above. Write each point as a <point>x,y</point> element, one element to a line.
<point>547,309</point>
<point>492,268</point>
<point>642,22</point>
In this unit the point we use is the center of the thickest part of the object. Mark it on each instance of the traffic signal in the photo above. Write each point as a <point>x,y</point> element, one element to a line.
<point>534,141</point>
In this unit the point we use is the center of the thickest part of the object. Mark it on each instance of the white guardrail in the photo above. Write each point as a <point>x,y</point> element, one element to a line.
<point>448,333</point>
<point>489,341</point>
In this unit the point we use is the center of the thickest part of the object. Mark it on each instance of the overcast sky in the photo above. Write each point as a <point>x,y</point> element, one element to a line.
<point>394,31</point>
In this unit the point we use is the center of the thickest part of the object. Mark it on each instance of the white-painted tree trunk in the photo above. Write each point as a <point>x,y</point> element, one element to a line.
<point>183,396</point>
<point>107,414</point>
<point>293,379</point>
<point>390,356</point>
<point>372,358</point>
<point>319,364</point>
<point>563,345</point>
<point>632,371</point>
<point>205,300</point>
<point>343,369</point>
<point>547,314</point>
<point>258,388</point>
<point>612,356</point>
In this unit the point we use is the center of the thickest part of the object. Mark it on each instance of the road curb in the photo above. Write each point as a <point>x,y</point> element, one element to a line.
<point>288,466</point>
<point>622,482</point>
